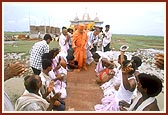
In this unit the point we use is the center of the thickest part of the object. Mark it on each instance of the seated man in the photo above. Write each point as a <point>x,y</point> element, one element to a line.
<point>116,80</point>
<point>105,75</point>
<point>102,63</point>
<point>31,100</point>
<point>71,63</point>
<point>149,86</point>
<point>47,79</point>
<point>58,62</point>
<point>125,91</point>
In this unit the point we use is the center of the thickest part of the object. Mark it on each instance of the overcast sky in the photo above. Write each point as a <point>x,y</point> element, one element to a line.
<point>146,18</point>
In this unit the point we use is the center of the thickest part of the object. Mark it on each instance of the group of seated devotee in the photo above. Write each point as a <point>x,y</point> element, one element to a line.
<point>124,87</point>
<point>123,90</point>
<point>52,83</point>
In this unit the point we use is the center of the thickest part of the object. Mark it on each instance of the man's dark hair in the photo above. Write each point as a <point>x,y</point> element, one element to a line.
<point>151,82</point>
<point>30,83</point>
<point>47,56</point>
<point>46,63</point>
<point>51,52</point>
<point>96,56</point>
<point>107,26</point>
<point>125,57</point>
<point>137,60</point>
<point>70,51</point>
<point>47,36</point>
<point>64,28</point>
<point>70,57</point>
<point>70,30</point>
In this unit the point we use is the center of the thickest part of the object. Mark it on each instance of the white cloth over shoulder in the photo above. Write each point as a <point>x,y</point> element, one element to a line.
<point>31,102</point>
<point>143,104</point>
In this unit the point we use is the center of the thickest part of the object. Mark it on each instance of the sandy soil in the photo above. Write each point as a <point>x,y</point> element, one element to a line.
<point>83,92</point>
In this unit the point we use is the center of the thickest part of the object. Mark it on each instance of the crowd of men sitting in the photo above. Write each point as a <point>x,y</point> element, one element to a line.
<point>124,87</point>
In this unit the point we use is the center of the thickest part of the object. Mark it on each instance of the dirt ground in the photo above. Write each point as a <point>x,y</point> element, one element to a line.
<point>82,91</point>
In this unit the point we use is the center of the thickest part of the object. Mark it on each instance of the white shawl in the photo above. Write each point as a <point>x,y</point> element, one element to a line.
<point>143,104</point>
<point>28,98</point>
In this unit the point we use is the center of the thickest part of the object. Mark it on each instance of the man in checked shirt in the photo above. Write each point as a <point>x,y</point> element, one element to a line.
<point>36,52</point>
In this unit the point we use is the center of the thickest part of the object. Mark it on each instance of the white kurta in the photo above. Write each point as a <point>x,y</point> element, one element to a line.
<point>107,39</point>
<point>64,45</point>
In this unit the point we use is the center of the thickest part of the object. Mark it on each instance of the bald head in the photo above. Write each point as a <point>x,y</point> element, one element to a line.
<point>81,27</point>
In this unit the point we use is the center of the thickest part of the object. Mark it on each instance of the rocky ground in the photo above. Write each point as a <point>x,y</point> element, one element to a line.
<point>82,91</point>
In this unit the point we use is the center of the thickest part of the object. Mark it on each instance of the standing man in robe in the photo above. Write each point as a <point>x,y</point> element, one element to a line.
<point>79,42</point>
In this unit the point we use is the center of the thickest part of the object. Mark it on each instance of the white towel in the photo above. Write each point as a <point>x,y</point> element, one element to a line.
<point>143,104</point>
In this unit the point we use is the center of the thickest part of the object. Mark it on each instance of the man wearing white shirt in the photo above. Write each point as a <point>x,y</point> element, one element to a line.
<point>46,81</point>
<point>107,38</point>
<point>91,45</point>
<point>64,41</point>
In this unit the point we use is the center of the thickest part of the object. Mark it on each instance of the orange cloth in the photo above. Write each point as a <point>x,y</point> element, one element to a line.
<point>79,42</point>
<point>101,74</point>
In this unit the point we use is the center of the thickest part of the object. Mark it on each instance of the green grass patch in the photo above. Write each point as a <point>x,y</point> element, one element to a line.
<point>134,43</point>
<point>137,42</point>
<point>25,46</point>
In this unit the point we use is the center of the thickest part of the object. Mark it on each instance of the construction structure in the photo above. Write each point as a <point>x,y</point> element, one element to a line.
<point>42,30</point>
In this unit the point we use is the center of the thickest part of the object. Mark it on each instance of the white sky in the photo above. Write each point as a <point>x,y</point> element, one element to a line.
<point>142,18</point>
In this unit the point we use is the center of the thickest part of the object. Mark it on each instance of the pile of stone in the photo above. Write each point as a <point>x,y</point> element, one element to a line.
<point>148,66</point>
<point>147,56</point>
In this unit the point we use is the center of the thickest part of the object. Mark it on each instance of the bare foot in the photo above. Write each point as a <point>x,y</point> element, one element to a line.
<point>85,68</point>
